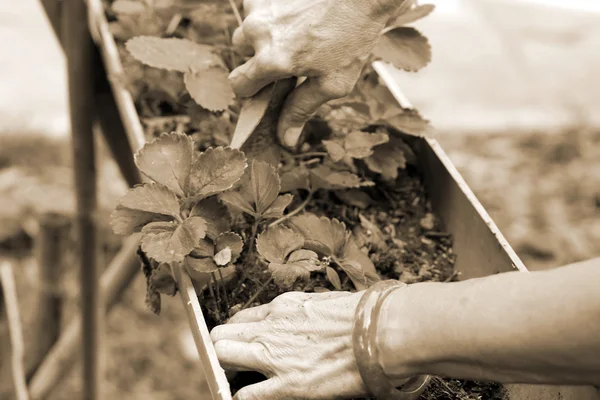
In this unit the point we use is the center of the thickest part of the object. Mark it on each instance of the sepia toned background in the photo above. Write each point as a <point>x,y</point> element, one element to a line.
<point>513,90</point>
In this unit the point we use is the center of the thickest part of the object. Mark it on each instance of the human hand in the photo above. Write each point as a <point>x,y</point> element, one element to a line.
<point>327,41</point>
<point>301,341</point>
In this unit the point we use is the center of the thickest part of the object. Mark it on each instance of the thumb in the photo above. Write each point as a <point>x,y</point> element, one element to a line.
<point>303,102</point>
<point>247,79</point>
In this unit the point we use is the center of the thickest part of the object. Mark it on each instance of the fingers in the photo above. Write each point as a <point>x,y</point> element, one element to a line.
<point>271,389</point>
<point>304,101</point>
<point>238,332</point>
<point>241,44</point>
<point>254,314</point>
<point>247,79</point>
<point>238,356</point>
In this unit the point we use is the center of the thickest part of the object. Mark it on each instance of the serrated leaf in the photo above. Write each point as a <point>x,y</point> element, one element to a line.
<point>223,257</point>
<point>360,144</point>
<point>298,266</point>
<point>204,248</point>
<point>172,54</point>
<point>152,198</point>
<point>335,148</point>
<point>334,278</point>
<point>215,214</point>
<point>231,241</point>
<point>414,14</point>
<point>297,178</point>
<point>258,192</point>
<point>277,208</point>
<point>285,275</point>
<point>162,281</point>
<point>237,201</point>
<point>128,7</point>
<point>358,266</point>
<point>277,242</point>
<point>322,234</point>
<point>125,221</point>
<point>408,122</point>
<point>323,177</point>
<point>167,160</point>
<point>210,88</point>
<point>214,171</point>
<point>405,48</point>
<point>386,160</point>
<point>205,265</point>
<point>168,242</point>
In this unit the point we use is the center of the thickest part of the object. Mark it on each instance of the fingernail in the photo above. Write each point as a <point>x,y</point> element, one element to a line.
<point>292,135</point>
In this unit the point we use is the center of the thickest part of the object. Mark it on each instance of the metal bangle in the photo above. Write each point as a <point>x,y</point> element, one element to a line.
<point>366,351</point>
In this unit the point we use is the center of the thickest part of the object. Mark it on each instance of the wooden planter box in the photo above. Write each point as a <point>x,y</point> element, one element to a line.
<point>480,247</point>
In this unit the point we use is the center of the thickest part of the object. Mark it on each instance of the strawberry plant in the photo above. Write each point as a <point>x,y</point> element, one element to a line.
<point>346,210</point>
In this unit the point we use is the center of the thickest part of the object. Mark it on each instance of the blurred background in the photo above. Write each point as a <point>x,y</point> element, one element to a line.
<point>513,91</point>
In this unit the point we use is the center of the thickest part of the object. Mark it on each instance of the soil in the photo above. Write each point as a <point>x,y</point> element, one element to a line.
<point>392,220</point>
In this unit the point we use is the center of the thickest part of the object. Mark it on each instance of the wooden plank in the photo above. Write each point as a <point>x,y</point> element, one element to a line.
<point>7,281</point>
<point>79,49</point>
<point>215,375</point>
<point>50,247</point>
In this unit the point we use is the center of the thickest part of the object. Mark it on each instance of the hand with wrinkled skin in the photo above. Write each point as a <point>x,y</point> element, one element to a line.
<point>299,341</point>
<point>327,41</point>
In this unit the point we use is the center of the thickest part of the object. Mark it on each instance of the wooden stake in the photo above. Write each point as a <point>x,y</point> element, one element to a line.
<point>14,328</point>
<point>61,358</point>
<point>54,229</point>
<point>79,49</point>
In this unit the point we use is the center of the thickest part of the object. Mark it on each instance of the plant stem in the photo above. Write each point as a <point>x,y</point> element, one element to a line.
<point>236,12</point>
<point>259,291</point>
<point>311,154</point>
<point>214,279</point>
<point>249,254</point>
<point>224,291</point>
<point>211,290</point>
<point>296,211</point>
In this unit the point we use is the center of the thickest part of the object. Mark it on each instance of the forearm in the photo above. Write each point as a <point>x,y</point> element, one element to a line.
<point>539,327</point>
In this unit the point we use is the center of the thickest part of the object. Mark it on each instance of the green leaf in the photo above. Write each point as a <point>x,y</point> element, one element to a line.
<point>297,178</point>
<point>358,266</point>
<point>334,278</point>
<point>323,177</point>
<point>408,121</point>
<point>125,221</point>
<point>277,242</point>
<point>387,159</point>
<point>210,88</point>
<point>172,54</point>
<point>167,160</point>
<point>335,148</point>
<point>258,192</point>
<point>223,257</point>
<point>204,248</point>
<point>323,235</point>
<point>356,144</point>
<point>277,208</point>
<point>171,242</point>
<point>414,14</point>
<point>152,198</point>
<point>215,214</point>
<point>298,266</point>
<point>405,48</point>
<point>205,265</point>
<point>214,171</point>
<point>162,281</point>
<point>231,241</point>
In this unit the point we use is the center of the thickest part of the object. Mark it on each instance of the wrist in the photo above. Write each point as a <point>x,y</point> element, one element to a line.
<point>407,340</point>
